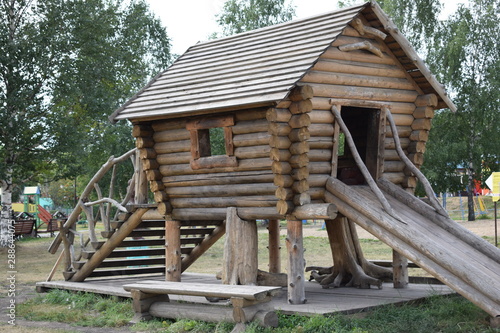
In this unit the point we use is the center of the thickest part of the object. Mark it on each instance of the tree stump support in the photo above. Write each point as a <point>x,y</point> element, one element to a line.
<point>173,251</point>
<point>274,246</point>
<point>295,246</point>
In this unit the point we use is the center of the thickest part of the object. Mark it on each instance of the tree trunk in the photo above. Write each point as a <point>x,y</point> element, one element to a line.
<point>6,234</point>
<point>350,268</point>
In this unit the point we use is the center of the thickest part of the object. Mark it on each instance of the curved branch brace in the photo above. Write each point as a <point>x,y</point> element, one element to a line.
<point>363,29</point>
<point>366,45</point>
<point>108,200</point>
<point>362,166</point>
<point>427,186</point>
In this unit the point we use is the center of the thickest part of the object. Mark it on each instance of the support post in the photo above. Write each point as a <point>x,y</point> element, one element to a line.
<point>294,243</point>
<point>240,250</point>
<point>399,270</point>
<point>173,251</point>
<point>274,246</point>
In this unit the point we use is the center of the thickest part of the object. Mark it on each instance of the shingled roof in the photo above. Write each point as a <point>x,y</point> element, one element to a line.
<point>260,67</point>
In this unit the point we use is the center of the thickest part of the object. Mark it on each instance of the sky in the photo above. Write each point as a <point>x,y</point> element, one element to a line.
<point>191,21</point>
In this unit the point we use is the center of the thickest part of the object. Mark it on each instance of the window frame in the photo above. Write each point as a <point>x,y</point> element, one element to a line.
<point>201,157</point>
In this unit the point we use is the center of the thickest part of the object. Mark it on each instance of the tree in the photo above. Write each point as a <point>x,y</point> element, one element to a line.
<point>64,67</point>
<point>242,15</point>
<point>466,57</point>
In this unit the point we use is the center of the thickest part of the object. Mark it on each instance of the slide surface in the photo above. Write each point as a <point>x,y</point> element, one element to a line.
<point>460,259</point>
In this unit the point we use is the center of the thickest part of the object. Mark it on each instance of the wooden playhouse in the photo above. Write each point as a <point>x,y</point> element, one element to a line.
<point>279,102</point>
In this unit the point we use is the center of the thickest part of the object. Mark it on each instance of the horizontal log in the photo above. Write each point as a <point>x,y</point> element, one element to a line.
<point>300,93</point>
<point>394,177</point>
<point>403,119</point>
<point>391,155</point>
<point>349,79</point>
<point>320,155</point>
<point>284,207</point>
<point>214,162</point>
<point>284,193</point>
<point>160,196</point>
<point>359,56</point>
<point>416,158</point>
<point>156,185</point>
<point>427,100</point>
<point>298,148</point>
<point>360,68</point>
<point>300,186</point>
<point>409,182</point>
<point>299,120</point>
<point>364,93</point>
<point>279,142</point>
<point>321,117</point>
<point>251,139</point>
<point>321,142</point>
<point>299,134</point>
<point>210,122</point>
<point>303,106</point>
<point>299,174</point>
<point>393,166</point>
<point>325,103</point>
<point>424,112</point>
<point>251,114</point>
<point>243,165</point>
<point>282,155</point>
<point>321,129</point>
<point>223,178</point>
<point>302,199</point>
<point>320,167</point>
<point>221,202</point>
<point>142,130</point>
<point>173,147</point>
<point>417,147</point>
<point>389,143</point>
<point>167,125</point>
<point>316,180</point>
<point>153,175</point>
<point>279,129</point>
<point>252,152</point>
<point>403,131</point>
<point>317,193</point>
<point>419,135</point>
<point>325,211</point>
<point>221,190</point>
<point>278,115</point>
<point>171,135</point>
<point>252,126</point>
<point>245,213</point>
<point>150,164</point>
<point>421,124</point>
<point>299,161</point>
<point>147,153</point>
<point>283,180</point>
<point>281,168</point>
<point>144,142</point>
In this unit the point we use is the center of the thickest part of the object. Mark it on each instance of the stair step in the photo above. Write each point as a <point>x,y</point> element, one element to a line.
<point>132,261</point>
<point>159,251</point>
<point>151,242</point>
<point>196,231</point>
<point>128,271</point>
<point>147,233</point>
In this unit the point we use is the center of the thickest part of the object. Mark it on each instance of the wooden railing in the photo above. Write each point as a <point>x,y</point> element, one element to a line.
<point>104,210</point>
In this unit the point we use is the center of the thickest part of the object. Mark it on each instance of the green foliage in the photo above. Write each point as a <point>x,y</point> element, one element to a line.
<point>65,66</point>
<point>242,15</point>
<point>217,141</point>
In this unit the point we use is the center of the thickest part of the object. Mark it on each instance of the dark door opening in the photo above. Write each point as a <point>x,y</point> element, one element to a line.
<point>366,129</point>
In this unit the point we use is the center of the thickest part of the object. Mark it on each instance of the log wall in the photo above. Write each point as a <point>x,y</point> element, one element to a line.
<point>362,78</point>
<point>249,185</point>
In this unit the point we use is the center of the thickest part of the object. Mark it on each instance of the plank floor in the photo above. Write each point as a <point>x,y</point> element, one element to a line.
<point>319,301</point>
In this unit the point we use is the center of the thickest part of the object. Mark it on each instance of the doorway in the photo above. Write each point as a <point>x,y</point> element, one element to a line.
<point>368,132</point>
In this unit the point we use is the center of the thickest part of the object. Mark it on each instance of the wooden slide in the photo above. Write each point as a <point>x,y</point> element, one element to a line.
<point>451,253</point>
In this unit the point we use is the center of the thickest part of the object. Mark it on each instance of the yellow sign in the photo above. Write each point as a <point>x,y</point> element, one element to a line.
<point>493,183</point>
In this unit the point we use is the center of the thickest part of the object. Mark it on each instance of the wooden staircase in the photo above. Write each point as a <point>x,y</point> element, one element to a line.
<point>142,250</point>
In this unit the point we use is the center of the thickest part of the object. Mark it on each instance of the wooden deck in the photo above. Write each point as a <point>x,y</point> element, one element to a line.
<point>319,301</point>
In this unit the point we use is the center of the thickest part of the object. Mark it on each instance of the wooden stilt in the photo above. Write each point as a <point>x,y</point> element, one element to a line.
<point>274,246</point>
<point>296,290</point>
<point>400,270</point>
<point>172,251</point>
<point>240,250</point>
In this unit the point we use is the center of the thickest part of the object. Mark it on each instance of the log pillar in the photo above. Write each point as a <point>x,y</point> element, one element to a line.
<point>240,250</point>
<point>295,246</point>
<point>173,251</point>
<point>400,270</point>
<point>274,246</point>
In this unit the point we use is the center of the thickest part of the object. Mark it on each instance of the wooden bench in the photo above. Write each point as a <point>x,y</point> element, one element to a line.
<point>24,228</point>
<point>246,303</point>
<point>50,227</point>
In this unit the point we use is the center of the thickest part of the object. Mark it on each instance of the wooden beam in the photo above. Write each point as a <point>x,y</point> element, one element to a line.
<point>274,246</point>
<point>295,247</point>
<point>173,251</point>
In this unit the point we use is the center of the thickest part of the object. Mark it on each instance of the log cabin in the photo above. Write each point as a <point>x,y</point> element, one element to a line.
<point>282,123</point>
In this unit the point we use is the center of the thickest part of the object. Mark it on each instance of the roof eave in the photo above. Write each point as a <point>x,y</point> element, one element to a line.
<point>391,28</point>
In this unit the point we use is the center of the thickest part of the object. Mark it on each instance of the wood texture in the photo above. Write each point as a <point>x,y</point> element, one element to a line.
<point>173,251</point>
<point>295,247</point>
